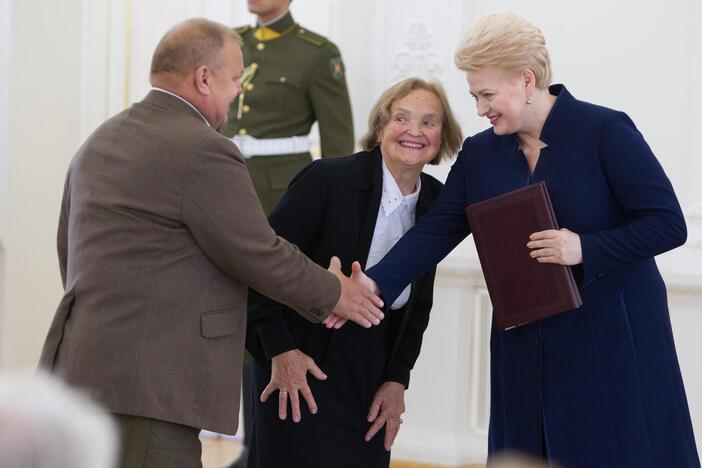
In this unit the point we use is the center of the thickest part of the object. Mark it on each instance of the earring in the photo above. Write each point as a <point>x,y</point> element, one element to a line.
<point>528,100</point>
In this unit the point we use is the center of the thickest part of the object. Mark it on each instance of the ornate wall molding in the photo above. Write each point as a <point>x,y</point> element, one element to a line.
<point>419,55</point>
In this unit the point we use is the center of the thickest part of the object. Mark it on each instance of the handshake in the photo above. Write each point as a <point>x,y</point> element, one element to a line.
<point>359,300</point>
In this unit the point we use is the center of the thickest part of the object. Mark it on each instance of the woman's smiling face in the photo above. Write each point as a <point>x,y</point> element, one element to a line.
<point>412,136</point>
<point>501,97</point>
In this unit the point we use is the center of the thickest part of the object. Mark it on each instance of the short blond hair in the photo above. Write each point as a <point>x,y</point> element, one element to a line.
<point>451,135</point>
<point>508,42</point>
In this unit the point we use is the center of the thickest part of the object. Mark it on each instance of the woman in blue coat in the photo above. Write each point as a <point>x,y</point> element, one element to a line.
<point>597,386</point>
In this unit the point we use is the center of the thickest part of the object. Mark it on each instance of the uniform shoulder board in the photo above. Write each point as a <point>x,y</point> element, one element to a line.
<point>241,30</point>
<point>311,37</point>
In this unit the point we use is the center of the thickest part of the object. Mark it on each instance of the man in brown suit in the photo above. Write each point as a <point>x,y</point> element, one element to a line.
<point>159,236</point>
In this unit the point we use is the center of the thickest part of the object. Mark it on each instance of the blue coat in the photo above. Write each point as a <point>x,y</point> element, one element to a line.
<point>600,385</point>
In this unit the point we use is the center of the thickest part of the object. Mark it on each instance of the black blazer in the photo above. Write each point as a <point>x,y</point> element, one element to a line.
<point>330,209</point>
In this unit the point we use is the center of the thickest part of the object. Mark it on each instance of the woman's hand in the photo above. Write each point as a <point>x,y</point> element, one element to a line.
<point>387,408</point>
<point>552,246</point>
<point>289,376</point>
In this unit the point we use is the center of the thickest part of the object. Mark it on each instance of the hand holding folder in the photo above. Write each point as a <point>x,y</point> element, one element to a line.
<point>560,246</point>
<point>522,290</point>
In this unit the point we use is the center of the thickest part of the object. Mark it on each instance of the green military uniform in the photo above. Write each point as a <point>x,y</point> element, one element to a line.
<point>293,78</point>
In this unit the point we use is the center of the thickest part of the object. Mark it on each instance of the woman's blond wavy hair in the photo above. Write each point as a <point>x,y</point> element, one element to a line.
<point>508,42</point>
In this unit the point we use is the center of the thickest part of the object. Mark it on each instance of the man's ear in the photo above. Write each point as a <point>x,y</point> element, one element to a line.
<point>202,78</point>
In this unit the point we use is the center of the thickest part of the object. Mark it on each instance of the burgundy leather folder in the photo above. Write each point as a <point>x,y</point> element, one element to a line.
<point>521,289</point>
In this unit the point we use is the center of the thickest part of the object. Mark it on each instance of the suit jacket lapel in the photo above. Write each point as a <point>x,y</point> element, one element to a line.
<point>423,202</point>
<point>369,185</point>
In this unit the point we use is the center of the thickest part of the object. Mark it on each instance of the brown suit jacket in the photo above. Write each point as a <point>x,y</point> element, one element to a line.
<point>159,236</point>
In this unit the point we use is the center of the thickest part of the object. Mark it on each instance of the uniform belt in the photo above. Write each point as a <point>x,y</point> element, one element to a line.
<point>250,146</point>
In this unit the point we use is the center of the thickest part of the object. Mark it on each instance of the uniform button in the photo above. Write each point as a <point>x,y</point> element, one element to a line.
<point>250,87</point>
<point>302,31</point>
<point>283,79</point>
<point>254,66</point>
<point>260,46</point>
<point>246,108</point>
<point>242,131</point>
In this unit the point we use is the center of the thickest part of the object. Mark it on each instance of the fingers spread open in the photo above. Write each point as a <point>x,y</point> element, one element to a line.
<point>374,409</point>
<point>377,425</point>
<point>309,398</point>
<point>295,404</point>
<point>391,430</point>
<point>270,388</point>
<point>316,371</point>
<point>283,404</point>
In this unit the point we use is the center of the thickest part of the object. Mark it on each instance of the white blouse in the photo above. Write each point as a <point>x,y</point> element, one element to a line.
<point>395,218</point>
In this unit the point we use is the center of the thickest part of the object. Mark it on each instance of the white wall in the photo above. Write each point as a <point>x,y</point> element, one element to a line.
<point>42,135</point>
<point>74,63</point>
<point>5,50</point>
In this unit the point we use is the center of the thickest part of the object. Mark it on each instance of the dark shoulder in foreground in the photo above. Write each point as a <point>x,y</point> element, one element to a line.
<point>480,139</point>
<point>572,119</point>
<point>584,109</point>
<point>432,184</point>
<point>568,115</point>
<point>336,169</point>
<point>340,164</point>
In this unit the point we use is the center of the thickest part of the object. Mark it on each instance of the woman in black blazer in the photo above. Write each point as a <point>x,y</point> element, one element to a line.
<point>355,208</point>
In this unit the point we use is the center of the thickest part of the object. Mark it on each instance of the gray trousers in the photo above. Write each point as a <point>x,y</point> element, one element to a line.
<point>150,443</point>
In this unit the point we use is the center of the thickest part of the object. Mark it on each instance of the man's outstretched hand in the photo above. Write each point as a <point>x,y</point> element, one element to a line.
<point>337,320</point>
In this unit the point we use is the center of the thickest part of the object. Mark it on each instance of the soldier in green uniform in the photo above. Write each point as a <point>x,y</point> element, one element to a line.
<point>294,78</point>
